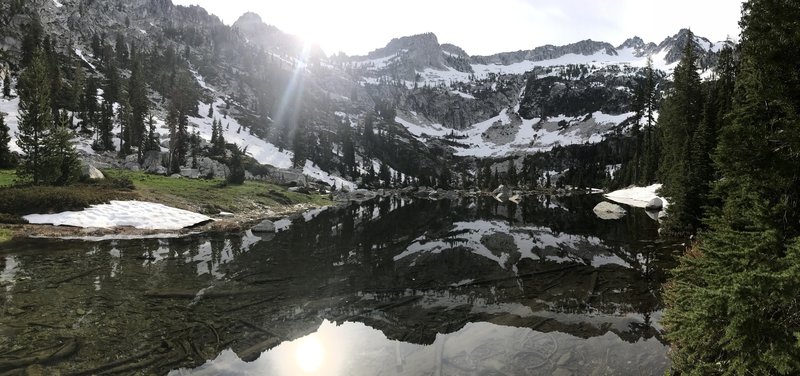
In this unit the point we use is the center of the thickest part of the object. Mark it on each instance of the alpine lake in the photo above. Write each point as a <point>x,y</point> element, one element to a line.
<point>394,286</point>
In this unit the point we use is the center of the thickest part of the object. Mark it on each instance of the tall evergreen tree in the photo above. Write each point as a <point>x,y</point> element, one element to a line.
<point>236,165</point>
<point>62,155</point>
<point>5,139</point>
<point>178,123</point>
<point>732,303</point>
<point>111,89</point>
<point>31,40</point>
<point>299,144</point>
<point>152,143</point>
<point>7,85</point>
<point>105,128</point>
<point>140,104</point>
<point>89,108</point>
<point>77,88</point>
<point>651,144</point>
<point>680,118</point>
<point>35,121</point>
<point>125,120</point>
<point>49,156</point>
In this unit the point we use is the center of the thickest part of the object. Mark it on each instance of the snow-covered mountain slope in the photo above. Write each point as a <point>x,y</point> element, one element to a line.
<point>405,58</point>
<point>509,134</point>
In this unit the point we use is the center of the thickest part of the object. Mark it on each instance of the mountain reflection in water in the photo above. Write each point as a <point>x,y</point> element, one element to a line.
<point>478,348</point>
<point>395,286</point>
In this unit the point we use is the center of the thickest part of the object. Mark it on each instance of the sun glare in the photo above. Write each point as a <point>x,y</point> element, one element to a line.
<point>309,354</point>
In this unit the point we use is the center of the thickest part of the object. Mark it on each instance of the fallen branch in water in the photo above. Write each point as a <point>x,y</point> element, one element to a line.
<point>76,276</point>
<point>67,349</point>
<point>183,294</point>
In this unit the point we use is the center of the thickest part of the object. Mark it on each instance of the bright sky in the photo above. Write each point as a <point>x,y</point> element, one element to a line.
<point>484,27</point>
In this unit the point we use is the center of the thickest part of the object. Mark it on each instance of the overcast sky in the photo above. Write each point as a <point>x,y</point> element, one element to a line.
<point>484,27</point>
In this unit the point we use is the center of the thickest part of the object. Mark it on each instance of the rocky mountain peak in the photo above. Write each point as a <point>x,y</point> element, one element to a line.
<point>249,17</point>
<point>270,37</point>
<point>635,43</point>
<point>675,44</point>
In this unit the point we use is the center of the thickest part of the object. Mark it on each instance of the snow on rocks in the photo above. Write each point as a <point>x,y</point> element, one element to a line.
<point>137,214</point>
<point>637,196</point>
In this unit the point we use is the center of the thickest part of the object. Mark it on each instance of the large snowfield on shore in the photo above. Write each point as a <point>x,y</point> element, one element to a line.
<point>138,214</point>
<point>636,196</point>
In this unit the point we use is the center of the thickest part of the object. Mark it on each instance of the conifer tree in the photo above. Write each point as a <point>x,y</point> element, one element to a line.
<point>680,117</point>
<point>77,88</point>
<point>105,128</point>
<point>384,174</point>
<point>732,302</point>
<point>89,107</point>
<point>7,85</point>
<point>179,137</point>
<point>152,141</point>
<point>236,166</point>
<point>124,119</point>
<point>651,143</point>
<point>112,85</point>
<point>140,104</point>
<point>5,139</point>
<point>219,145</point>
<point>214,137</point>
<point>299,147</point>
<point>512,173</point>
<point>62,155</point>
<point>49,155</point>
<point>35,121</point>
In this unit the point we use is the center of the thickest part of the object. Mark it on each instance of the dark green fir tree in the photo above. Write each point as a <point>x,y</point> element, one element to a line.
<point>732,302</point>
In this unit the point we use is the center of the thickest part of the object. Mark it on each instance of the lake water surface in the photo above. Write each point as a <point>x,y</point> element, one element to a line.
<point>392,287</point>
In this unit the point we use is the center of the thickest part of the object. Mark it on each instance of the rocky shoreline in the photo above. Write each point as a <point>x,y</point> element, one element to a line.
<point>248,219</point>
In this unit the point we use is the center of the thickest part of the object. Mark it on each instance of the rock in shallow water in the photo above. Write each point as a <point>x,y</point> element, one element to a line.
<point>607,210</point>
<point>654,204</point>
<point>265,226</point>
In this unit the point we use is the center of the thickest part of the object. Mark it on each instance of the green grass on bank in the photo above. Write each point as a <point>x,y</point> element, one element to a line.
<point>5,235</point>
<point>213,193</point>
<point>208,196</point>
<point>7,177</point>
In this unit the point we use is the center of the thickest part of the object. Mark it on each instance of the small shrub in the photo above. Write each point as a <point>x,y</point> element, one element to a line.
<point>12,219</point>
<point>48,199</point>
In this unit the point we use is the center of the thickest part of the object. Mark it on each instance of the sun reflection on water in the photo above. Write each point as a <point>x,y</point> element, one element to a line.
<point>309,354</point>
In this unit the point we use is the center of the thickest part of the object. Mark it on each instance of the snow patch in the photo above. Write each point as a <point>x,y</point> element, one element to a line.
<point>636,196</point>
<point>80,55</point>
<point>137,214</point>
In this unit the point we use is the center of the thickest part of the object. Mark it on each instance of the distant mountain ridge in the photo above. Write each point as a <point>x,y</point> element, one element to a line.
<point>412,54</point>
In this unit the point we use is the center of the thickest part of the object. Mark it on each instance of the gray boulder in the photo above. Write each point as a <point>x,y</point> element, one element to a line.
<point>607,210</point>
<point>210,167</point>
<point>152,162</point>
<point>655,204</point>
<point>131,166</point>
<point>265,226</point>
<point>191,173</point>
<point>92,173</point>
